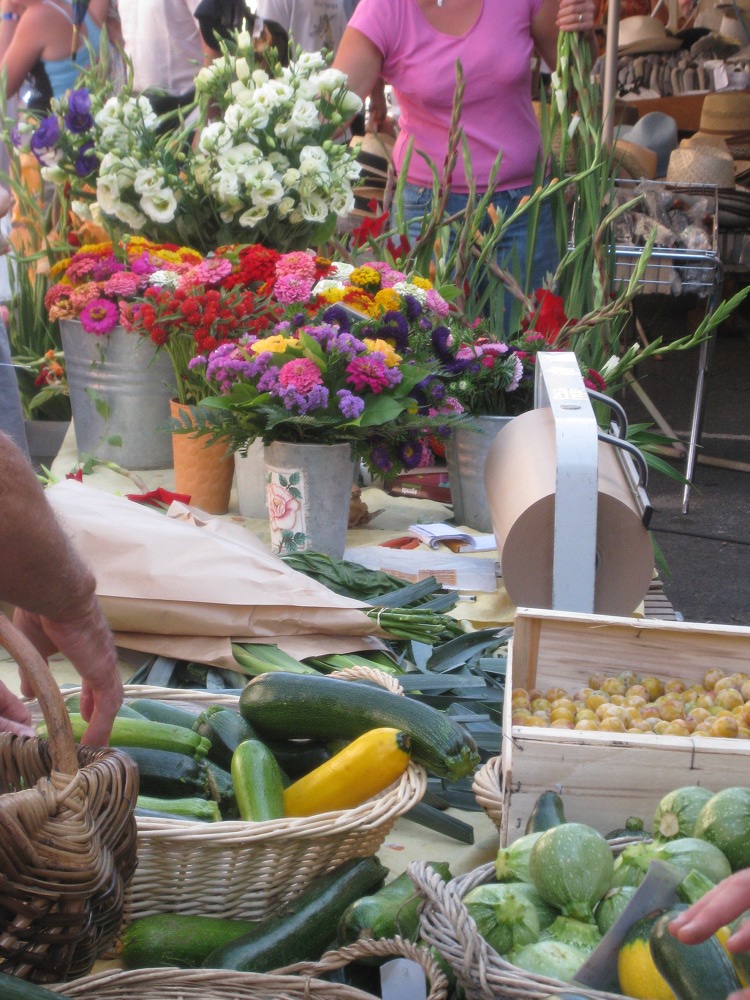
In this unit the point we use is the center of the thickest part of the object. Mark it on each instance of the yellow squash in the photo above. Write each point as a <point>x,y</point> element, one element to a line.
<point>362,769</point>
<point>636,970</point>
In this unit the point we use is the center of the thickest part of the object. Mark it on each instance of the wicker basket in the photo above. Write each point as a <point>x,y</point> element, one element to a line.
<point>488,791</point>
<point>67,838</point>
<point>246,871</point>
<point>446,924</point>
<point>296,982</point>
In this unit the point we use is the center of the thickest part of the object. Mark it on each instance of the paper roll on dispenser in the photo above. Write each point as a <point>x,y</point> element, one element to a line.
<point>522,478</point>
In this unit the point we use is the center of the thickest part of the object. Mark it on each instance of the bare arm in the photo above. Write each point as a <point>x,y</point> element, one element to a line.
<point>360,60</point>
<point>54,592</point>
<point>21,44</point>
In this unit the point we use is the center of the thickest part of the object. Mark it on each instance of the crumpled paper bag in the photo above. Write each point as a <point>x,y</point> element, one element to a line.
<point>185,584</point>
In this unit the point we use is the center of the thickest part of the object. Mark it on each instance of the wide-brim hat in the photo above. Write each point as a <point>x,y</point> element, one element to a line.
<point>632,161</point>
<point>701,165</point>
<point>642,33</point>
<point>657,132</point>
<point>726,113</point>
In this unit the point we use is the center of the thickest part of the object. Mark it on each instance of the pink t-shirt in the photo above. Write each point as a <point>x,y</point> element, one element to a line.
<point>420,64</point>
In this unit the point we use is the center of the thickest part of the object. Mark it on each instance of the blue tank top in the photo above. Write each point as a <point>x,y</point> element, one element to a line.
<point>62,73</point>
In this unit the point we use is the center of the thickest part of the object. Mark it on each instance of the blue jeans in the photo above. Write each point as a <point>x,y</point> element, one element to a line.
<point>511,253</point>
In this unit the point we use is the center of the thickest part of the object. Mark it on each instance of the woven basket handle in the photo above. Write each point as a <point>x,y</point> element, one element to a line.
<point>397,947</point>
<point>62,745</point>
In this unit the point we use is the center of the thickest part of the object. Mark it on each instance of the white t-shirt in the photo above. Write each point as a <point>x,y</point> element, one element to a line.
<point>312,24</point>
<point>163,41</point>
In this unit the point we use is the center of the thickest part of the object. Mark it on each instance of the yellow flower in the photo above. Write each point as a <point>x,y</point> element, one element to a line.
<point>59,267</point>
<point>391,358</point>
<point>332,295</point>
<point>420,282</point>
<point>388,300</point>
<point>365,277</point>
<point>275,343</point>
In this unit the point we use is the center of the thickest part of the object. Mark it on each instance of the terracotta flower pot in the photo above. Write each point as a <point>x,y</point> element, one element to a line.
<point>202,469</point>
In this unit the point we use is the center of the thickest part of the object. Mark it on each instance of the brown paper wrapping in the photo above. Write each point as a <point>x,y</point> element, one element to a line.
<point>185,585</point>
<point>520,479</point>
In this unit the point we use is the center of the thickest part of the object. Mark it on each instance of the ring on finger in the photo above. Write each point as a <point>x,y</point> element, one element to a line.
<point>580,18</point>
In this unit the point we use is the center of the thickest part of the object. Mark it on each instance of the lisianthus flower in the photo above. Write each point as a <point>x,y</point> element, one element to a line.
<point>100,317</point>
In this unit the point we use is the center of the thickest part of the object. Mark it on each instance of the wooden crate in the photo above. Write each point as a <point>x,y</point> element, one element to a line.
<point>606,777</point>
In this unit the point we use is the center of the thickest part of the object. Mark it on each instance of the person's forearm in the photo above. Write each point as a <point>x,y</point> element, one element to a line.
<point>33,544</point>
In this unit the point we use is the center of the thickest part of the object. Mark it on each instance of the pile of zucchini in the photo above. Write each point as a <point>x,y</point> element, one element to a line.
<point>299,745</point>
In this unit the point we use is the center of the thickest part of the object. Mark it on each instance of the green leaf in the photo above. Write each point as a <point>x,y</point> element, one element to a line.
<point>381,410</point>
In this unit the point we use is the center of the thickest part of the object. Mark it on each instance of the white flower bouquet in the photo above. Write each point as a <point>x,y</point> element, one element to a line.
<point>265,167</point>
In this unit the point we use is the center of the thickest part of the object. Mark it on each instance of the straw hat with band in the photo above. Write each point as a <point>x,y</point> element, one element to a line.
<point>644,34</point>
<point>726,113</point>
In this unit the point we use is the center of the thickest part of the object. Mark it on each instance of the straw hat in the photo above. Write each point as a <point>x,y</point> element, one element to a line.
<point>701,165</point>
<point>726,113</point>
<point>644,34</point>
<point>633,161</point>
<point>657,132</point>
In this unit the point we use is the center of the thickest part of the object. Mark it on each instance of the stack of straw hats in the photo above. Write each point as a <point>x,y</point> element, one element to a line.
<point>374,155</point>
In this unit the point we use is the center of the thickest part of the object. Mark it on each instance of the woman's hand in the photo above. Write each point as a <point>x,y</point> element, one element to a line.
<point>576,15</point>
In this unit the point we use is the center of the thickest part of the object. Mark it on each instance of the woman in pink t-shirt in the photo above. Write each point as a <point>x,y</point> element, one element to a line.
<point>414,45</point>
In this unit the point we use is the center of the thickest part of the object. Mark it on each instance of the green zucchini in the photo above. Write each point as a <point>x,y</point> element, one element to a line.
<point>225,729</point>
<point>144,733</point>
<point>678,810</point>
<point>13,988</point>
<point>693,972</point>
<point>176,939</point>
<point>724,822</point>
<point>258,788</point>
<point>393,910</point>
<point>633,828</point>
<point>303,934</point>
<point>185,808</point>
<point>73,705</point>
<point>163,711</point>
<point>221,790</point>
<point>292,706</point>
<point>548,811</point>
<point>165,774</point>
<point>299,757</point>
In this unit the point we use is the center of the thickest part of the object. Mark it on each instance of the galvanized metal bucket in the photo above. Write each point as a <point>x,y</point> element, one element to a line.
<point>308,494</point>
<point>465,455</point>
<point>250,477</point>
<point>120,388</point>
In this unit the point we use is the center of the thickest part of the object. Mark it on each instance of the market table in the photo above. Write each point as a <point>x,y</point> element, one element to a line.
<point>407,841</point>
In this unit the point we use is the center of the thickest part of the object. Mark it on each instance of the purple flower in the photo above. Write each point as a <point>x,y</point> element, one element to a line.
<point>350,405</point>
<point>45,138</point>
<point>338,315</point>
<point>410,453</point>
<point>87,160</point>
<point>380,456</point>
<point>19,140</point>
<point>78,117</point>
<point>394,327</point>
<point>412,307</point>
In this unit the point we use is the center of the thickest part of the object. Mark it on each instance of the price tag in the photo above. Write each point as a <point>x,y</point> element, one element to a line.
<point>402,979</point>
<point>721,80</point>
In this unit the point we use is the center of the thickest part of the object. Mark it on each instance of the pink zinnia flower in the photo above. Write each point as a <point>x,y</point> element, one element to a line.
<point>388,275</point>
<point>293,288</point>
<point>301,374</point>
<point>100,317</point>
<point>122,285</point>
<point>82,266</point>
<point>81,296</point>
<point>211,272</point>
<point>368,372</point>
<point>296,263</point>
<point>436,303</point>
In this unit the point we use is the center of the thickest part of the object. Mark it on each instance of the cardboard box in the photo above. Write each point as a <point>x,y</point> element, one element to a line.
<point>605,777</point>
